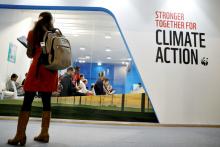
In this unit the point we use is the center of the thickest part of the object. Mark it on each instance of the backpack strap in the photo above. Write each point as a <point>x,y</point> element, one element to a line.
<point>43,58</point>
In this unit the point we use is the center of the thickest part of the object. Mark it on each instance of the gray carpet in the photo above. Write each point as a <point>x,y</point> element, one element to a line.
<point>84,135</point>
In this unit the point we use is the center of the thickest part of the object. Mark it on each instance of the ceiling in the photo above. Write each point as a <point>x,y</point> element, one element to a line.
<point>94,36</point>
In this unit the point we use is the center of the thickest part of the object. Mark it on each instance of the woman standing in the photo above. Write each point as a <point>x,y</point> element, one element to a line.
<point>39,79</point>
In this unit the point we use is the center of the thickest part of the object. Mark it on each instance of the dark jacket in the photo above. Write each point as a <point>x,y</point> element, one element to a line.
<point>99,90</point>
<point>68,89</point>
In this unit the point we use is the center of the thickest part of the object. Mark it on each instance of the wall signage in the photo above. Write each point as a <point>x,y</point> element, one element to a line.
<point>177,40</point>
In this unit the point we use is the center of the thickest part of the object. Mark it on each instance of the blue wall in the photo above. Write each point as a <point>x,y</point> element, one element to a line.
<point>120,79</point>
<point>91,70</point>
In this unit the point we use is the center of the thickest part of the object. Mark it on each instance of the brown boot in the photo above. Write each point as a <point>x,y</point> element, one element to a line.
<point>44,135</point>
<point>20,137</point>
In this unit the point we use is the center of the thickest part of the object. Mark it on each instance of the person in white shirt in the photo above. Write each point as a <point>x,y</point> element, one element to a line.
<point>13,86</point>
<point>82,86</point>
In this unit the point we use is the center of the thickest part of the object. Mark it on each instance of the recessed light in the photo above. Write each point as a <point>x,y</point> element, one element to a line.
<point>82,48</point>
<point>81,58</point>
<point>87,57</point>
<point>82,61</point>
<point>108,58</point>
<point>99,63</point>
<point>108,37</point>
<point>108,50</point>
<point>125,63</point>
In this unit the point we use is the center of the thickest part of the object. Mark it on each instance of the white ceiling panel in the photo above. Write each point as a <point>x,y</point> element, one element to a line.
<point>84,29</point>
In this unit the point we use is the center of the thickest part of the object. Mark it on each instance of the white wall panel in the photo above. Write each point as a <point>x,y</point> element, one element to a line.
<point>182,94</point>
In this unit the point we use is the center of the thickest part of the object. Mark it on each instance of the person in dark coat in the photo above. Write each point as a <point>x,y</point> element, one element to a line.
<point>99,90</point>
<point>68,88</point>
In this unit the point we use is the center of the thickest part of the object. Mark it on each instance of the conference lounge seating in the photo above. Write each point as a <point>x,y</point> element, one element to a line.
<point>7,94</point>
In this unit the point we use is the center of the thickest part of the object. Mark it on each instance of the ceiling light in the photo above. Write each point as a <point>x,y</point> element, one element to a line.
<point>99,63</point>
<point>108,58</point>
<point>82,48</point>
<point>108,37</point>
<point>108,50</point>
<point>81,58</point>
<point>75,35</point>
<point>129,59</point>
<point>87,57</point>
<point>82,61</point>
<point>125,63</point>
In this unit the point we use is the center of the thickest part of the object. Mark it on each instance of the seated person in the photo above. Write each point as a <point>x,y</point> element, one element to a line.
<point>138,89</point>
<point>68,89</point>
<point>99,85</point>
<point>76,76</point>
<point>82,86</point>
<point>90,92</point>
<point>12,84</point>
<point>107,87</point>
<point>92,89</point>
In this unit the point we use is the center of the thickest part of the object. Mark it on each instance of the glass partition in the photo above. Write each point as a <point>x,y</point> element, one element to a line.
<point>97,47</point>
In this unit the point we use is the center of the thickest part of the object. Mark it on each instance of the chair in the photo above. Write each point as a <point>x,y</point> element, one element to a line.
<point>7,94</point>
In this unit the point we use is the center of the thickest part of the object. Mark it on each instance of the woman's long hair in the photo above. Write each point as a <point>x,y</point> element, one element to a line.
<point>42,25</point>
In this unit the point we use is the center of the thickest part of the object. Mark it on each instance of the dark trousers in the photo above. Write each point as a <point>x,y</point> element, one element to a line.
<point>29,97</point>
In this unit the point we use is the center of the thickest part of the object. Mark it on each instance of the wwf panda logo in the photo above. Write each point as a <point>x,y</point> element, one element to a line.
<point>204,61</point>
